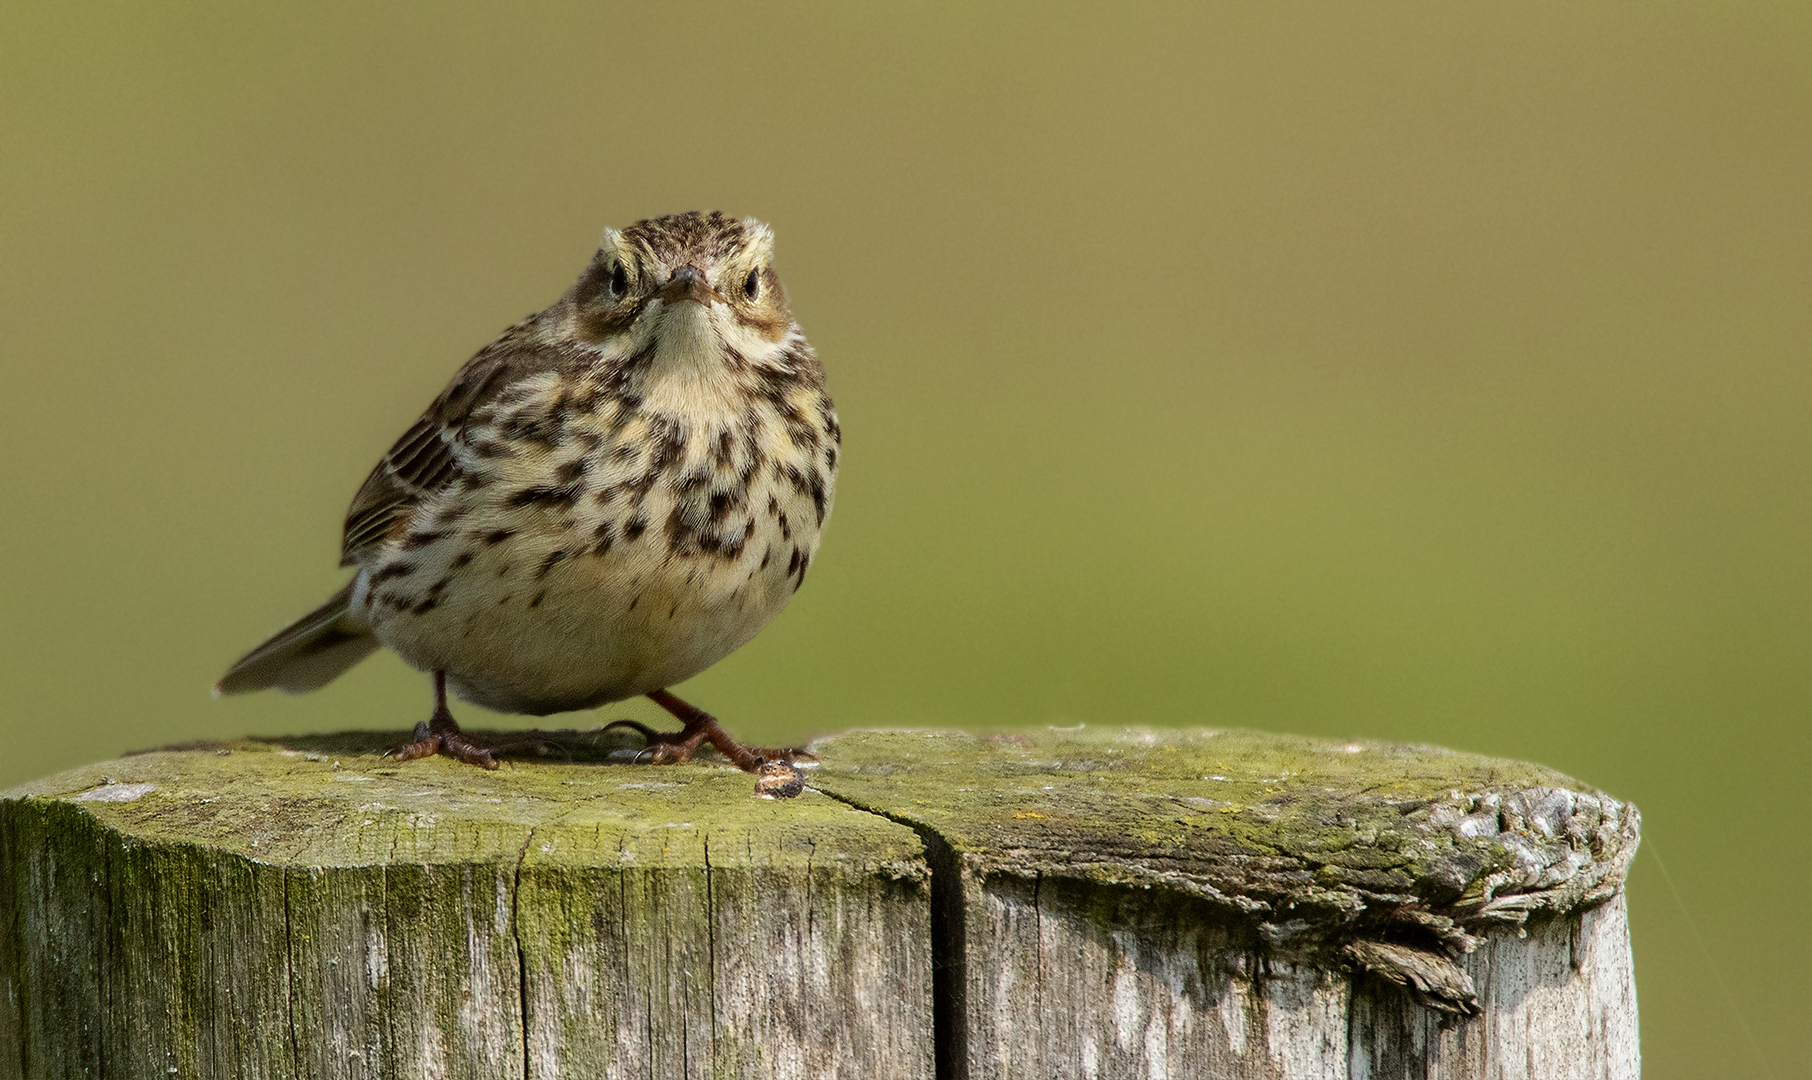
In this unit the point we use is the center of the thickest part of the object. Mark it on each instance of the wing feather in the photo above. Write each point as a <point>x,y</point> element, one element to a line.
<point>422,464</point>
<point>419,466</point>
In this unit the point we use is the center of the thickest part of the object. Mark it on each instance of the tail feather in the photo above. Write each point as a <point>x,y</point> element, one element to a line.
<point>307,655</point>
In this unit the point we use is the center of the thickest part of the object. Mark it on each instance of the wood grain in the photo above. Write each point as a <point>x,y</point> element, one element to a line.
<point>1088,903</point>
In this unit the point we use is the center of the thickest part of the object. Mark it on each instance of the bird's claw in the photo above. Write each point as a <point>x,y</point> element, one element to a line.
<point>462,748</point>
<point>777,776</point>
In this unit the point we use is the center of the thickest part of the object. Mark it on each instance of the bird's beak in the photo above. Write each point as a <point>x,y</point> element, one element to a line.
<point>687,284</point>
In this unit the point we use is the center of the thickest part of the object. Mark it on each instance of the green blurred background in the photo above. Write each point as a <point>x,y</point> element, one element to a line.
<point>1420,372</point>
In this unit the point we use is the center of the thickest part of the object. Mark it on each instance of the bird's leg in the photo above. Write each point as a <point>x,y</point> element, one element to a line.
<point>700,727</point>
<point>440,734</point>
<point>777,777</point>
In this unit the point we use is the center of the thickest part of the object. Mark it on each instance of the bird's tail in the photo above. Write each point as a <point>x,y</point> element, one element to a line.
<point>307,655</point>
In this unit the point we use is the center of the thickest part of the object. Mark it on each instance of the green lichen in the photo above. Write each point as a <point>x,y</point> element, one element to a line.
<point>277,866</point>
<point>1281,829</point>
<point>324,801</point>
<point>248,897</point>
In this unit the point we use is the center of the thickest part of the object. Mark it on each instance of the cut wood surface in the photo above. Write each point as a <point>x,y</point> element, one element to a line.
<point>1090,902</point>
<point>1233,903</point>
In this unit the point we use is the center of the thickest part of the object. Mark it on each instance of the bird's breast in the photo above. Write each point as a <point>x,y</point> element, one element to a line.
<point>599,548</point>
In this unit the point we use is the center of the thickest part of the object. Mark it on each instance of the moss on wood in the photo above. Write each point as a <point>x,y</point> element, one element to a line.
<point>1325,850</point>
<point>305,907</point>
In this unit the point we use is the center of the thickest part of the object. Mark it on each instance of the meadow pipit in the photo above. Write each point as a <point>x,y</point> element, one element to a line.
<point>605,501</point>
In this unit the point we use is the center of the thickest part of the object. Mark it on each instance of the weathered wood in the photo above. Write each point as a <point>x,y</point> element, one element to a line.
<point>1051,903</point>
<point>247,910</point>
<point>1235,904</point>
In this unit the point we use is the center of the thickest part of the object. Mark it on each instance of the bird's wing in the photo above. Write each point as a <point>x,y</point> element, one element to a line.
<point>423,464</point>
<point>419,466</point>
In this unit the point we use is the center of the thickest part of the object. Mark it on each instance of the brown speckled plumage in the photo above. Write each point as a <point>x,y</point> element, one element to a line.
<point>607,499</point>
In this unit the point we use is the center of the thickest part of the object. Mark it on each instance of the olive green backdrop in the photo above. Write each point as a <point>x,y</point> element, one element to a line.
<point>1417,372</point>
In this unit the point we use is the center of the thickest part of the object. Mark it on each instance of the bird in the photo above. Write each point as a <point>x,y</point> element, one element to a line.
<point>618,492</point>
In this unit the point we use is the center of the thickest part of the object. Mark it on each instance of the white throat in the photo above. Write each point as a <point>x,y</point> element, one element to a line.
<point>687,375</point>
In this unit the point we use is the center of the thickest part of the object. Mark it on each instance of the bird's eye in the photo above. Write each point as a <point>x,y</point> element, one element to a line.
<point>752,284</point>
<point>619,280</point>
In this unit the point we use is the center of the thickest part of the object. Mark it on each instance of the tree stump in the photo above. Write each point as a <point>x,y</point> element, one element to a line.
<point>1090,903</point>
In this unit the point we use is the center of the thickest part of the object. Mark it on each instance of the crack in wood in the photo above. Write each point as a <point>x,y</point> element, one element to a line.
<point>522,987</point>
<point>949,945</point>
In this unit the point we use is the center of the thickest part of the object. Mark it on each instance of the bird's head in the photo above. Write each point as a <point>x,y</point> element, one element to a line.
<point>695,284</point>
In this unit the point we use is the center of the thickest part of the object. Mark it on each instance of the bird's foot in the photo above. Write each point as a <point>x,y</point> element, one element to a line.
<point>659,747</point>
<point>440,734</point>
<point>778,776</point>
<point>673,747</point>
